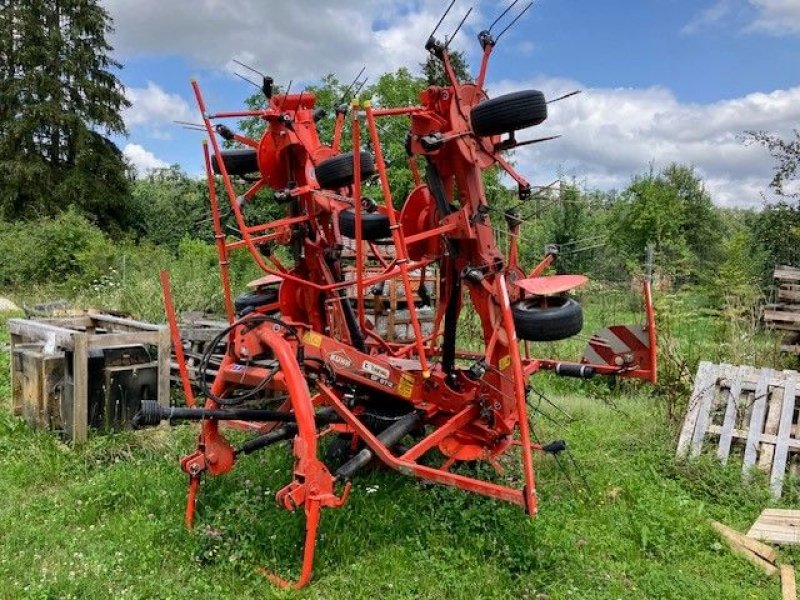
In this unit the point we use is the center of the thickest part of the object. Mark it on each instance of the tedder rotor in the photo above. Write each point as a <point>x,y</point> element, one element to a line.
<point>315,332</point>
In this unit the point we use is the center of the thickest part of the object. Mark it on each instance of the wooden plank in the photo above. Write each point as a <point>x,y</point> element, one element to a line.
<point>779,526</point>
<point>164,355</point>
<point>729,422</point>
<point>16,403</point>
<point>80,388</point>
<point>74,322</point>
<point>775,315</point>
<point>124,324</point>
<point>108,340</point>
<point>756,420</point>
<point>36,331</point>
<point>734,540</point>
<point>743,434</point>
<point>784,432</point>
<point>707,394</point>
<point>788,584</point>
<point>774,404</point>
<point>792,295</point>
<point>704,370</point>
<point>768,553</point>
<point>787,274</point>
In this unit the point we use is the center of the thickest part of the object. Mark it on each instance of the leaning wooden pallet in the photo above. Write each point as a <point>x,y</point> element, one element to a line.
<point>754,411</point>
<point>783,313</point>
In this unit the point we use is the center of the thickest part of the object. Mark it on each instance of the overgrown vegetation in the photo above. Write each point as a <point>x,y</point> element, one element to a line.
<point>622,521</point>
<point>106,520</point>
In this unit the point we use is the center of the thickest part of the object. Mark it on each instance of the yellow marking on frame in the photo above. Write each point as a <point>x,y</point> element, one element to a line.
<point>312,338</point>
<point>505,362</point>
<point>406,385</point>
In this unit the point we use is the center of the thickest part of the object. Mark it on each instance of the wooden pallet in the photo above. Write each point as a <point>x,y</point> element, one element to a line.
<point>778,526</point>
<point>745,411</point>
<point>784,312</point>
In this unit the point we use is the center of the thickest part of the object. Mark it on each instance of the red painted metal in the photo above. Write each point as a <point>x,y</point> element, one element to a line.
<point>476,414</point>
<point>175,334</point>
<point>552,285</point>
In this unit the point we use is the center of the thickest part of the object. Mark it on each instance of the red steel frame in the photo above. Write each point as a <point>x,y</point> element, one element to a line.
<point>465,418</point>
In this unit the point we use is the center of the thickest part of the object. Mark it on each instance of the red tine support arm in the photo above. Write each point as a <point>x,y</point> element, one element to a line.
<point>399,240</point>
<point>219,236</point>
<point>519,392</point>
<point>175,333</point>
<point>362,317</point>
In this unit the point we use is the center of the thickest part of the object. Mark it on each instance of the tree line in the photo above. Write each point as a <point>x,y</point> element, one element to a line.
<point>61,101</point>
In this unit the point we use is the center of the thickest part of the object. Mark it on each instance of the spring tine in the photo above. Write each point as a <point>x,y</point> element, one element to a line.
<point>446,12</point>
<point>248,67</point>
<point>460,25</point>
<point>565,96</point>
<point>250,81</point>
<point>502,14</point>
<point>352,83</point>
<point>510,25</point>
<point>360,87</point>
<point>536,141</point>
<point>286,94</point>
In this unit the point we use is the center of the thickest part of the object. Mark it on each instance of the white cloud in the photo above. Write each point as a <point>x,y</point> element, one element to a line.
<point>610,134</point>
<point>709,16</point>
<point>299,40</point>
<point>142,160</point>
<point>777,17</point>
<point>773,17</point>
<point>153,107</point>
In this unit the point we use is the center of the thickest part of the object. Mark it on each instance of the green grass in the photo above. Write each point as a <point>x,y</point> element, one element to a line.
<point>105,520</point>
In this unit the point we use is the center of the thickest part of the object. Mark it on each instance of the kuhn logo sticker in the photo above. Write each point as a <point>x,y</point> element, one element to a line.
<point>376,370</point>
<point>340,359</point>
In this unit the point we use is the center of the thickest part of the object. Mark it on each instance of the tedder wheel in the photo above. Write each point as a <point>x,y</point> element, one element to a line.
<point>508,113</point>
<point>337,172</point>
<point>374,226</point>
<point>237,162</point>
<point>560,318</point>
<point>248,302</point>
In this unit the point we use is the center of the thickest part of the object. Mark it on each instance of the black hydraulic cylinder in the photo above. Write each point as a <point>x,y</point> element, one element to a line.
<point>262,441</point>
<point>152,413</point>
<point>388,437</point>
<point>573,370</point>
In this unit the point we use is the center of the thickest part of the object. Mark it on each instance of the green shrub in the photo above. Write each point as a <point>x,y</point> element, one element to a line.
<point>60,250</point>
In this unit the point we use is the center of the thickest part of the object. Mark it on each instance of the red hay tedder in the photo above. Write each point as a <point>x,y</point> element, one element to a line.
<point>312,336</point>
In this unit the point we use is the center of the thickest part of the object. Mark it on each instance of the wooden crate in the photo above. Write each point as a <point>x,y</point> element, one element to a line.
<point>37,386</point>
<point>71,339</point>
<point>783,313</point>
<point>388,309</point>
<point>197,331</point>
<point>747,411</point>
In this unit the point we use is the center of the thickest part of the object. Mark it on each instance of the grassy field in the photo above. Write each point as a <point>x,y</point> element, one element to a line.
<point>105,520</point>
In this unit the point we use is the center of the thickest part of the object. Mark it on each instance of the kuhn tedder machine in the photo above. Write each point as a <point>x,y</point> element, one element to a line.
<point>312,333</point>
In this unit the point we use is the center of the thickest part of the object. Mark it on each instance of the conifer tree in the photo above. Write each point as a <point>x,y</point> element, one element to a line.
<point>59,103</point>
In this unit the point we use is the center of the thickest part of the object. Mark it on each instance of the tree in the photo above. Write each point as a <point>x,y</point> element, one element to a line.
<point>433,69</point>
<point>777,229</point>
<point>673,211</point>
<point>59,102</point>
<point>787,153</point>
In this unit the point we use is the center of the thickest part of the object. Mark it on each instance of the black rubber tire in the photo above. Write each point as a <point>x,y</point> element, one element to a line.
<point>508,113</point>
<point>374,226</point>
<point>237,162</point>
<point>250,301</point>
<point>561,319</point>
<point>337,172</point>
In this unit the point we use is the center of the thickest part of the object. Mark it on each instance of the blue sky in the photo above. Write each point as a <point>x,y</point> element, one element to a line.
<point>663,80</point>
